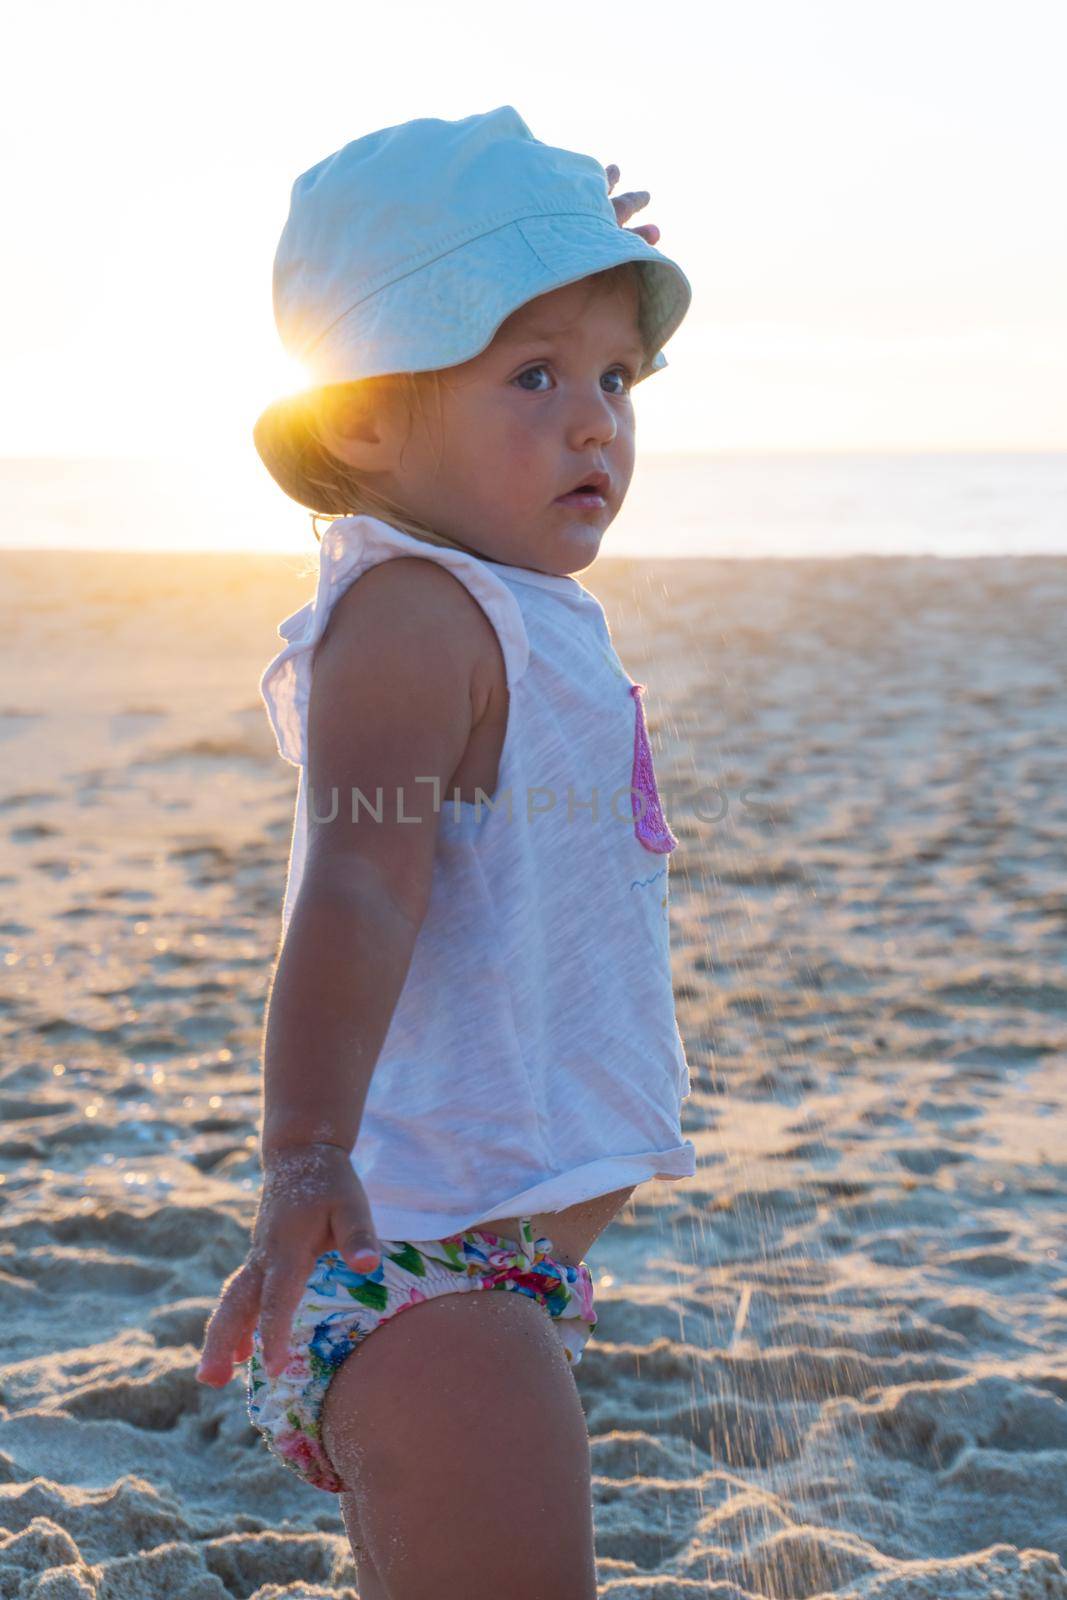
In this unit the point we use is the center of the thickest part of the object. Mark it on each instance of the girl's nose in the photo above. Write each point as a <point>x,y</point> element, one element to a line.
<point>592,421</point>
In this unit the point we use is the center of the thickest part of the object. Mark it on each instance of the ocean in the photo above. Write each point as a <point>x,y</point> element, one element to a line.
<point>945,504</point>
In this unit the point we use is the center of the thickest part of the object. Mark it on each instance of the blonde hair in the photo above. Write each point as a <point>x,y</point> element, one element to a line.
<point>336,488</point>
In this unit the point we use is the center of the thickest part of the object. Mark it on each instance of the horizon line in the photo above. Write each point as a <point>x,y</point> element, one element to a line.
<point>217,459</point>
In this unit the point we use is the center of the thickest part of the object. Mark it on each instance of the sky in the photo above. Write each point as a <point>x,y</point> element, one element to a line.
<point>866,199</point>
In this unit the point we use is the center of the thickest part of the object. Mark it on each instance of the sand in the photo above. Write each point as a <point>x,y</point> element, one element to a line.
<point>832,1364</point>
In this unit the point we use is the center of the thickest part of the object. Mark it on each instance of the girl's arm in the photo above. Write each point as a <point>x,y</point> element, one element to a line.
<point>393,699</point>
<point>391,702</point>
<point>338,978</point>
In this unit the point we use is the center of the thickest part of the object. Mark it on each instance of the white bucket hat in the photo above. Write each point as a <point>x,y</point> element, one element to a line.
<point>405,250</point>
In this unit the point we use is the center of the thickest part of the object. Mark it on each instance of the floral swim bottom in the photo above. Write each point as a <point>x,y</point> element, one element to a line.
<point>340,1307</point>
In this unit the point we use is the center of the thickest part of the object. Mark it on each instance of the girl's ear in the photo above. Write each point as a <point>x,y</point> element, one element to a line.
<point>356,423</point>
<point>346,408</point>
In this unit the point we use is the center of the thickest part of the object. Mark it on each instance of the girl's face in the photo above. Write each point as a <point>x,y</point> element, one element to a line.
<point>525,421</point>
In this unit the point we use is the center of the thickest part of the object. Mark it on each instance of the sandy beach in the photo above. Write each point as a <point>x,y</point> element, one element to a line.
<point>834,1364</point>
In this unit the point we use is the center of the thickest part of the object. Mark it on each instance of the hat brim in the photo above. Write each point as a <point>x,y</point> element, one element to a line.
<point>449,311</point>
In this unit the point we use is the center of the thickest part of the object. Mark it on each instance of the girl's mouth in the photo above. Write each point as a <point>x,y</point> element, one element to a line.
<point>582,500</point>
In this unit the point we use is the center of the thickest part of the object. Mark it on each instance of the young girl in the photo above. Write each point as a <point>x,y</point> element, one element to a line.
<point>471,1052</point>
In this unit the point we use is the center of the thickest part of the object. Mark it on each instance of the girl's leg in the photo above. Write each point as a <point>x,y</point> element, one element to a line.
<point>369,1585</point>
<point>459,1432</point>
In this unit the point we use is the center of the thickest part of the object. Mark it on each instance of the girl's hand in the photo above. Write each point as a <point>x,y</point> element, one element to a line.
<point>626,204</point>
<point>311,1201</point>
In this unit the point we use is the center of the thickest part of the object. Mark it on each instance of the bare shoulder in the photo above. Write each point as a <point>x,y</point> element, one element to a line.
<point>416,604</point>
<point>396,685</point>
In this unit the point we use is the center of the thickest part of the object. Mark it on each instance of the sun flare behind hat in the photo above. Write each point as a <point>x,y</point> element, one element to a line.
<point>406,249</point>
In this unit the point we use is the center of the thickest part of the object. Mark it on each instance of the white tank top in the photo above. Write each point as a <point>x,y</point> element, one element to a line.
<point>533,1059</point>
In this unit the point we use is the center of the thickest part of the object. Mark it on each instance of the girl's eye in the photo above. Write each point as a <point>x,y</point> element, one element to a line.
<point>616,372</point>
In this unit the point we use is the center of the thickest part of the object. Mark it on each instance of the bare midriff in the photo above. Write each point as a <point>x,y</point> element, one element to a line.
<point>572,1230</point>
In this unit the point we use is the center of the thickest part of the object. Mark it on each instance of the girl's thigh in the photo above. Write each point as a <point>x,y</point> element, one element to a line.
<point>459,1432</point>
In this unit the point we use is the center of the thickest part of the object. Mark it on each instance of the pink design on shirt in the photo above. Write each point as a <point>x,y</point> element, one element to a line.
<point>651,827</point>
